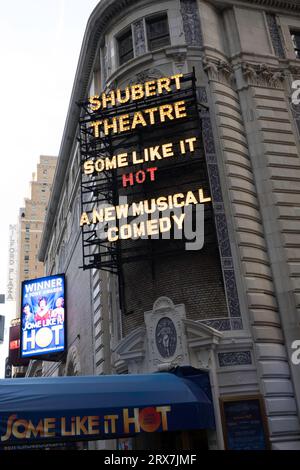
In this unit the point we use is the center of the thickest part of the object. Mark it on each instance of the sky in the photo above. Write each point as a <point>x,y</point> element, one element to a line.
<point>40,42</point>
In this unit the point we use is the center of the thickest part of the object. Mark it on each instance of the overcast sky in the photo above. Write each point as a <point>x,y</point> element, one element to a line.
<point>40,42</point>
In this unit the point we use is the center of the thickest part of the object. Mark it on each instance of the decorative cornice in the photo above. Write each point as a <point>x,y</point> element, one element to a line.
<point>287,5</point>
<point>262,75</point>
<point>284,4</point>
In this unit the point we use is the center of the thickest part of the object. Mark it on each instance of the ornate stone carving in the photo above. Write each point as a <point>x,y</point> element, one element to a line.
<point>224,324</point>
<point>220,324</point>
<point>145,75</point>
<point>139,38</point>
<point>248,71</point>
<point>191,23</point>
<point>262,75</point>
<point>166,340</point>
<point>234,358</point>
<point>210,67</point>
<point>221,222</point>
<point>166,337</point>
<point>219,71</point>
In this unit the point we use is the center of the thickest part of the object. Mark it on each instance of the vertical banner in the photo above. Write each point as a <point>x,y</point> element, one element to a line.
<point>43,316</point>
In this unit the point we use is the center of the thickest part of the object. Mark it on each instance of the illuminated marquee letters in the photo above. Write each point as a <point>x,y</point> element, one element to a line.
<point>102,123</point>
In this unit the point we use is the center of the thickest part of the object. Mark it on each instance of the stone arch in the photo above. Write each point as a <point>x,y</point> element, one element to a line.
<point>73,366</point>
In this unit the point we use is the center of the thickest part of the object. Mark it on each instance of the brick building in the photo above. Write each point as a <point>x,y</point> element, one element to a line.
<point>232,307</point>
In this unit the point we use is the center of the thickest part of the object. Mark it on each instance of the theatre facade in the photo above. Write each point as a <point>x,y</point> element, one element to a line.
<point>174,212</point>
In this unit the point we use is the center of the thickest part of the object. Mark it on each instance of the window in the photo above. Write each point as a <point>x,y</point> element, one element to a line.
<point>296,41</point>
<point>125,45</point>
<point>157,32</point>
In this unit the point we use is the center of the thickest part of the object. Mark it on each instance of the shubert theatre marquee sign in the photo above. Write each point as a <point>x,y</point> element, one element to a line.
<point>142,167</point>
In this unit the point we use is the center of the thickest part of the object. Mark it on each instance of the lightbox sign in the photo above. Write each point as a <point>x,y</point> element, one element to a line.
<point>143,171</point>
<point>43,316</point>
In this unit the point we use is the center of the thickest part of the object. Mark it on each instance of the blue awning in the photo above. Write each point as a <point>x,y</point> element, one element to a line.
<point>103,407</point>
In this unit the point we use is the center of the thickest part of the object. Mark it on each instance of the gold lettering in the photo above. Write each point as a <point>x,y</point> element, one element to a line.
<point>191,142</point>
<point>139,231</point>
<point>133,420</point>
<point>49,423</point>
<point>110,98</point>
<point>163,83</point>
<point>167,150</point>
<point>113,126</point>
<point>84,220</point>
<point>8,428</point>
<point>137,208</point>
<point>152,227</point>
<point>166,111</point>
<point>97,217</point>
<point>88,167</point>
<point>175,199</point>
<point>154,153</point>
<point>180,111</point>
<point>138,119</point>
<point>112,419</point>
<point>95,102</point>
<point>151,112</point>
<point>80,425</point>
<point>124,123</point>
<point>122,211</point>
<point>111,164</point>
<point>35,430</point>
<point>122,159</point>
<point>190,198</point>
<point>99,165</point>
<point>125,232</point>
<point>126,97</point>
<point>135,160</point>
<point>164,224</point>
<point>177,80</point>
<point>15,431</point>
<point>137,92</point>
<point>112,234</point>
<point>179,220</point>
<point>162,204</point>
<point>96,125</point>
<point>109,213</point>
<point>150,88</point>
<point>163,410</point>
<point>93,421</point>
<point>203,199</point>
<point>64,432</point>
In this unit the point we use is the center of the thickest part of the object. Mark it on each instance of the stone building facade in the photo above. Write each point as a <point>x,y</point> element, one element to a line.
<point>246,58</point>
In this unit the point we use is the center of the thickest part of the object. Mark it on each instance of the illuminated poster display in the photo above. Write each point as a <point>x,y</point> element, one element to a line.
<point>43,316</point>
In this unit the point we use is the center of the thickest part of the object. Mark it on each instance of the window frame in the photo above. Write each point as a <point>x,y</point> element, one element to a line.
<point>120,35</point>
<point>152,18</point>
<point>295,32</point>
